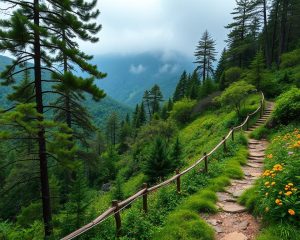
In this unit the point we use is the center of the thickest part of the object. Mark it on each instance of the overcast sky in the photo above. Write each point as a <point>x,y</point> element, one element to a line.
<point>136,26</point>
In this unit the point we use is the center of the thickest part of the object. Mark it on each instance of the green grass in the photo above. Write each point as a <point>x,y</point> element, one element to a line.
<point>185,225</point>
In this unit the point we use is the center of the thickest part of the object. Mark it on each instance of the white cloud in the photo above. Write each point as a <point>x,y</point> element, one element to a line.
<point>138,69</point>
<point>136,26</point>
<point>168,68</point>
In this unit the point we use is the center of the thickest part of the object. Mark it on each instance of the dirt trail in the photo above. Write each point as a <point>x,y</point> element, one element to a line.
<point>233,222</point>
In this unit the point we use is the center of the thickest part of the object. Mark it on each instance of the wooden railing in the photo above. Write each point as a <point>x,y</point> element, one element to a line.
<point>117,206</point>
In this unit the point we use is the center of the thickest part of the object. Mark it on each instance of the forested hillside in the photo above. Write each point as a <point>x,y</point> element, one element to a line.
<point>100,110</point>
<point>68,152</point>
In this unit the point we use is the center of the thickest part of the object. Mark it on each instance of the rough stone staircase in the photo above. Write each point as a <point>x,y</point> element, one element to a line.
<point>232,222</point>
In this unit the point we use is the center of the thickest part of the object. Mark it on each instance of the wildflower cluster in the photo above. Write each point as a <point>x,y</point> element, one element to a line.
<point>279,195</point>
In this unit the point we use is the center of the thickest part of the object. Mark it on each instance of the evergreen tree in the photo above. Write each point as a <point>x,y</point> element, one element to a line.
<point>142,114</point>
<point>240,39</point>
<point>181,88</point>
<point>205,55</point>
<point>155,99</point>
<point>256,69</point>
<point>112,129</point>
<point>170,105</point>
<point>30,34</point>
<point>175,155</point>
<point>221,65</point>
<point>158,164</point>
<point>79,200</point>
<point>118,191</point>
<point>146,100</point>
<point>193,85</point>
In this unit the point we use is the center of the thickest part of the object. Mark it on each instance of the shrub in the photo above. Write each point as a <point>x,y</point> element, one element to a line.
<point>235,95</point>
<point>233,74</point>
<point>182,110</point>
<point>185,225</point>
<point>288,106</point>
<point>290,59</point>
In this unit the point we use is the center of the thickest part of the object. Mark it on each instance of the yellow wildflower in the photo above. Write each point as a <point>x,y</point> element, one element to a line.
<point>277,167</point>
<point>289,193</point>
<point>290,184</point>
<point>280,193</point>
<point>277,201</point>
<point>273,183</point>
<point>270,156</point>
<point>291,212</point>
<point>267,183</point>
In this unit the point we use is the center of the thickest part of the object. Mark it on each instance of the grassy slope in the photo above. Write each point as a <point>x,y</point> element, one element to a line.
<point>197,137</point>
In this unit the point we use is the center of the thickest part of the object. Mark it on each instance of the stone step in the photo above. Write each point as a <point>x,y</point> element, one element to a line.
<point>257,155</point>
<point>231,207</point>
<point>256,158</point>
<point>225,197</point>
<point>254,165</point>
<point>234,236</point>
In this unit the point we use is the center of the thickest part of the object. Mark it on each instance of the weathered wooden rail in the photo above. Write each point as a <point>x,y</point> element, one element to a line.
<point>117,206</point>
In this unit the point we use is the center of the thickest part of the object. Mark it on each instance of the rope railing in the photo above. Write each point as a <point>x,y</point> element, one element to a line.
<point>117,207</point>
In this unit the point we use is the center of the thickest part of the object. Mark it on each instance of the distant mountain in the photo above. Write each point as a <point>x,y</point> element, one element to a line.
<point>99,110</point>
<point>130,75</point>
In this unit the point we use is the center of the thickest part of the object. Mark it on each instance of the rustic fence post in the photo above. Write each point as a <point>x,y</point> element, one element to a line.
<point>248,118</point>
<point>178,181</point>
<point>117,217</point>
<point>145,198</point>
<point>224,144</point>
<point>232,134</point>
<point>205,163</point>
<point>261,108</point>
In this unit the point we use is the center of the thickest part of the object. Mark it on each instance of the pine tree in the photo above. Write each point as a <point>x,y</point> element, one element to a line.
<point>181,88</point>
<point>256,69</point>
<point>112,129</point>
<point>239,39</point>
<point>205,55</point>
<point>142,114</point>
<point>158,164</point>
<point>79,201</point>
<point>155,99</point>
<point>193,85</point>
<point>175,155</point>
<point>170,104</point>
<point>30,34</point>
<point>146,100</point>
<point>221,65</point>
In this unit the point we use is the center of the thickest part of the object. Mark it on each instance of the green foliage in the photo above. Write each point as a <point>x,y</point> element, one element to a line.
<point>232,75</point>
<point>276,195</point>
<point>185,225</point>
<point>182,111</point>
<point>260,133</point>
<point>203,201</point>
<point>290,59</point>
<point>235,95</point>
<point>287,106</point>
<point>256,70</point>
<point>248,198</point>
<point>158,164</point>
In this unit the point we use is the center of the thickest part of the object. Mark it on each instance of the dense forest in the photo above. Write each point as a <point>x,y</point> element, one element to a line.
<point>60,167</point>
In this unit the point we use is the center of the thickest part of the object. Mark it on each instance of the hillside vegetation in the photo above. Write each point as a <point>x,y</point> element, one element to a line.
<point>61,165</point>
